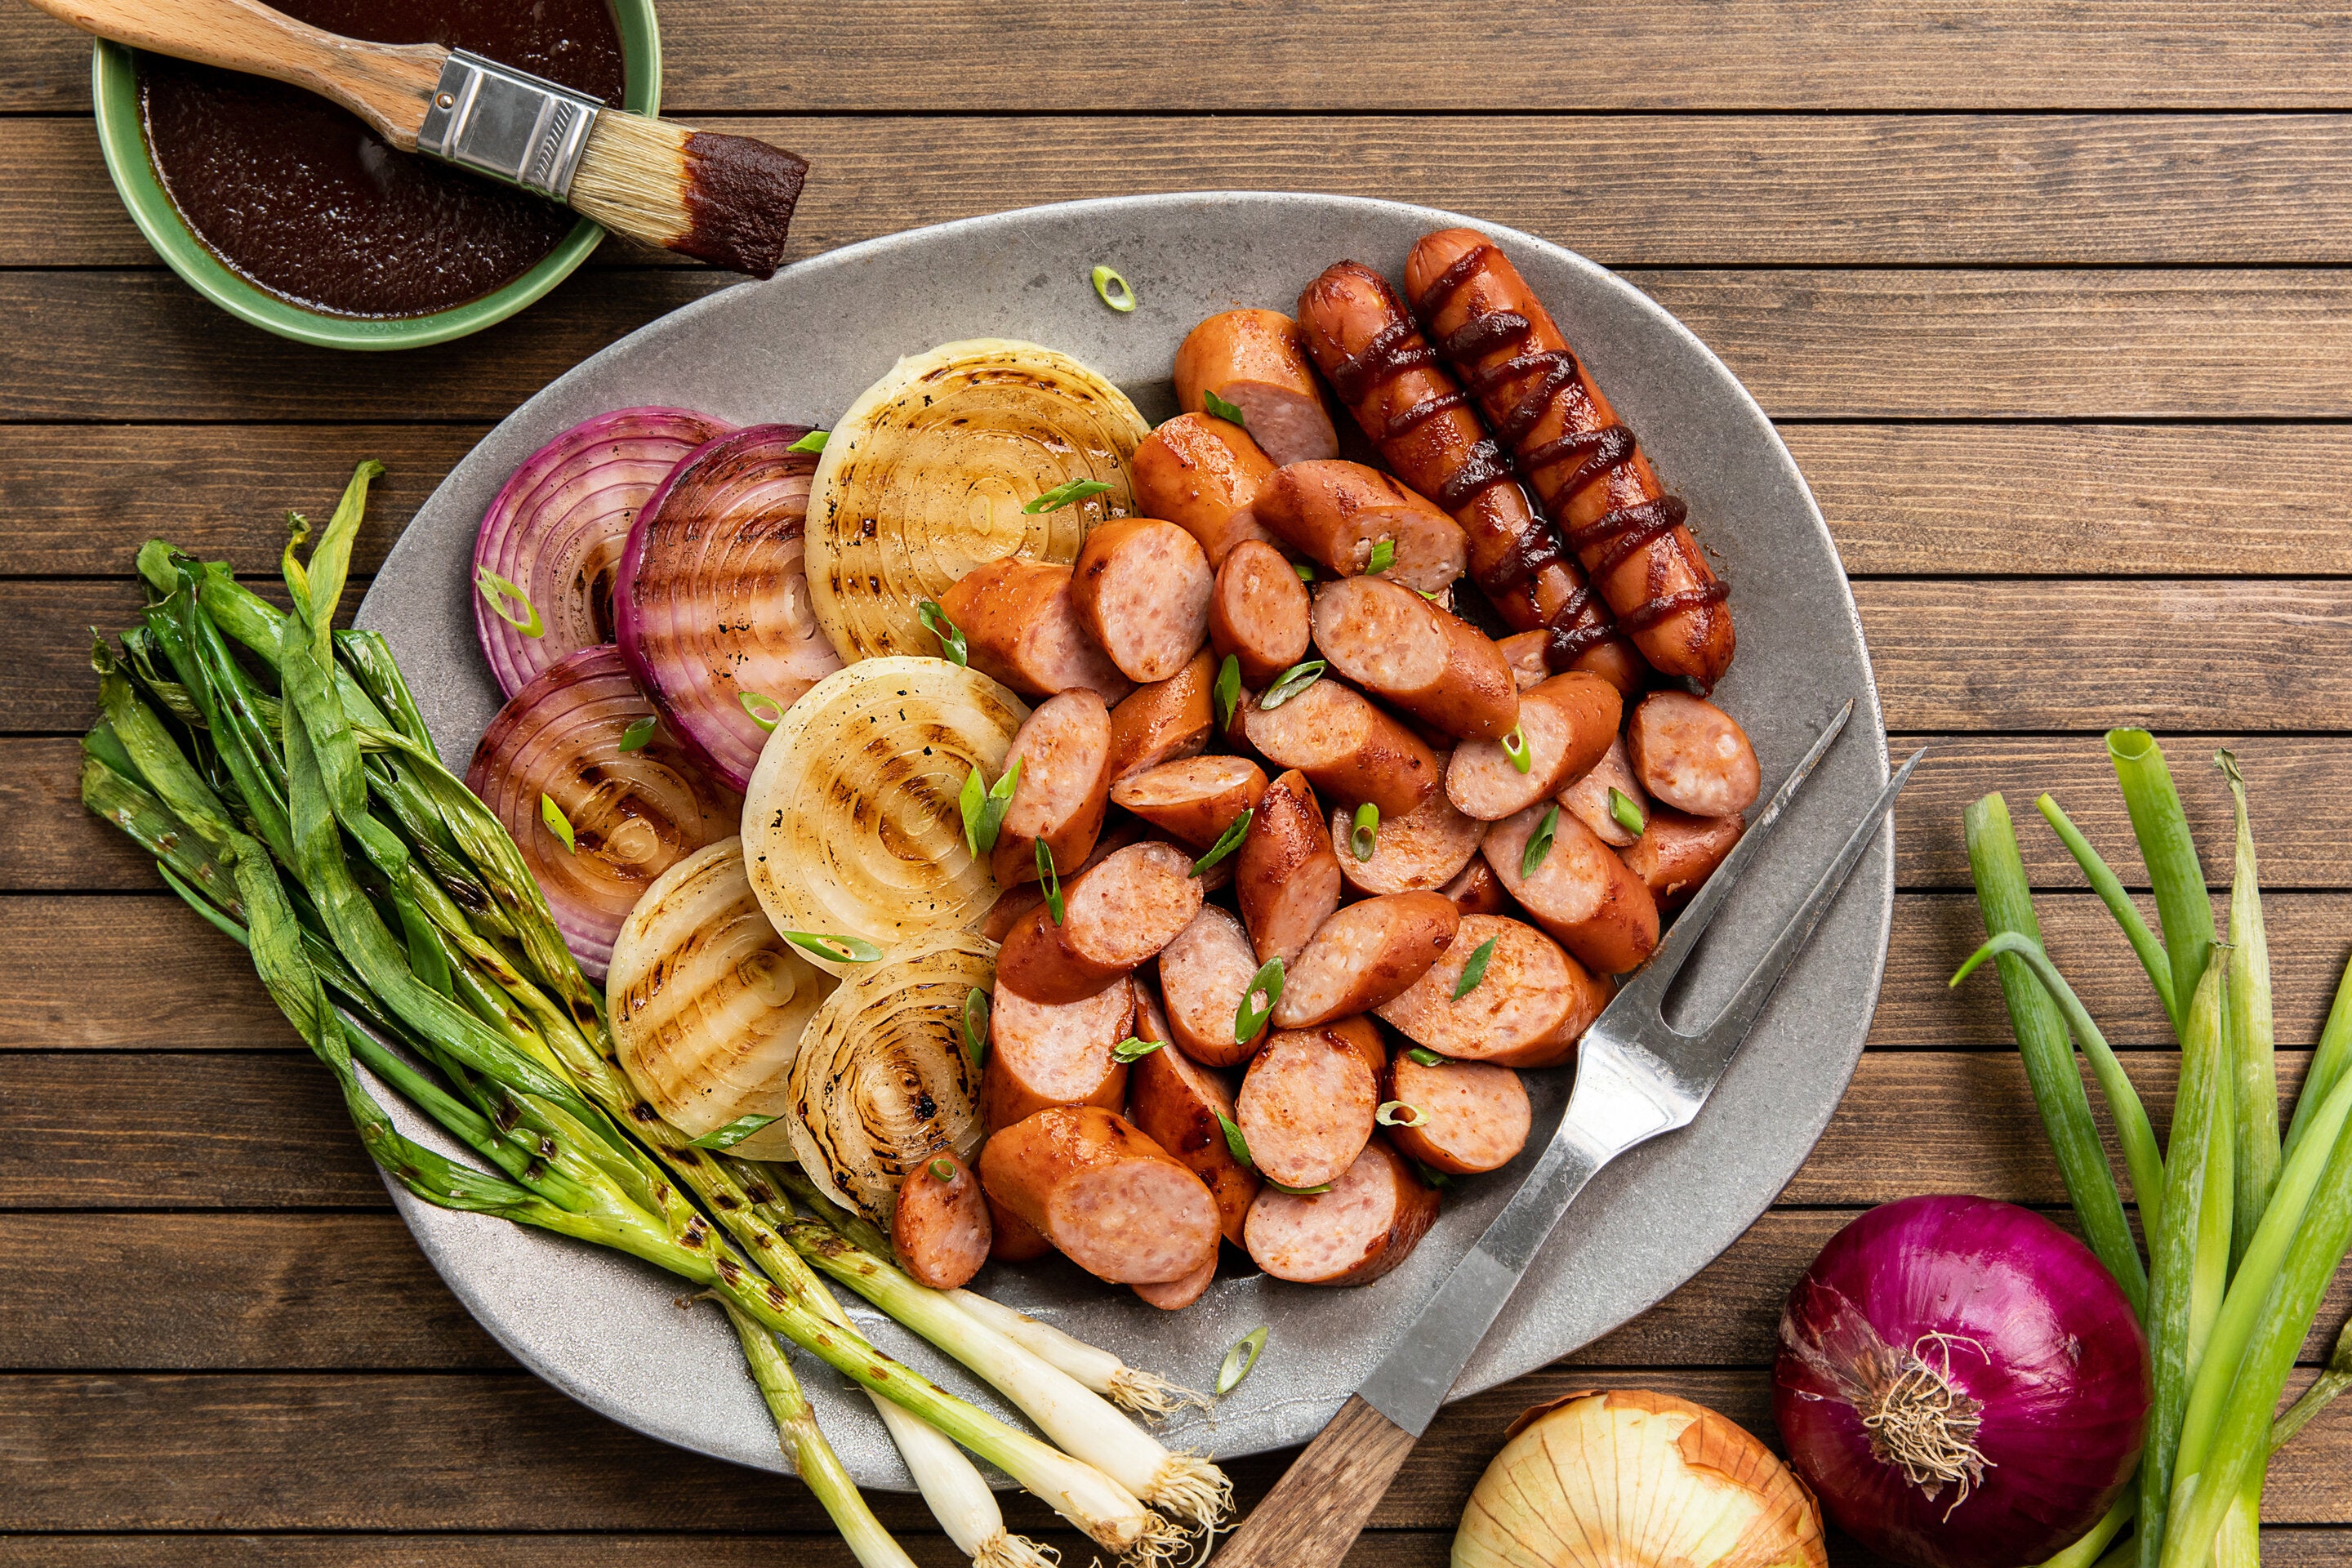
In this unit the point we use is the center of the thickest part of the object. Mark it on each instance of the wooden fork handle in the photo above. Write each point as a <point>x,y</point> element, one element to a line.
<point>387,85</point>
<point>1319,1507</point>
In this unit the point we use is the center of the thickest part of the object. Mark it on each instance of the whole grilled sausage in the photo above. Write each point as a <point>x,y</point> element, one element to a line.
<point>1363,338</point>
<point>1595,483</point>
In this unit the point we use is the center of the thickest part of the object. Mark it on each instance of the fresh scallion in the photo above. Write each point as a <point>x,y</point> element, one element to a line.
<point>1539,844</point>
<point>634,737</point>
<point>1235,1144</point>
<point>1397,1113</point>
<point>2110,888</point>
<point>1133,1048</point>
<point>1251,1016</point>
<point>734,1133</point>
<point>839,949</point>
<point>1065,494</point>
<point>1515,747</point>
<point>812,442</point>
<point>1228,689</point>
<point>983,808</point>
<point>1050,880</point>
<point>975,1026</point>
<point>1364,837</point>
<point>2183,907</point>
<point>2255,1143</point>
<point>557,823</point>
<point>1292,681</point>
<point>1431,1176</point>
<point>1626,812</point>
<point>943,1170</point>
<point>1112,290</point>
<point>765,711</point>
<point>1383,556</point>
<point>1472,974</point>
<point>935,621</point>
<point>1305,570</point>
<point>1227,842</point>
<point>1239,1359</point>
<point>1314,1191</point>
<point>496,591</point>
<point>1217,408</point>
<point>1424,1055</point>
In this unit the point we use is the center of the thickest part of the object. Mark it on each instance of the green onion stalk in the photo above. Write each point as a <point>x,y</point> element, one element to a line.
<point>2183,907</point>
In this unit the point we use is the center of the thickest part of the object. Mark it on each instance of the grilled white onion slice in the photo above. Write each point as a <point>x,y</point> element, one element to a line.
<point>882,1083</point>
<point>709,1003</point>
<point>924,478</point>
<point>851,826</point>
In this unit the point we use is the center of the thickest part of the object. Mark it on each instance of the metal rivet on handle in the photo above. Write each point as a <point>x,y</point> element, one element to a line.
<point>446,100</point>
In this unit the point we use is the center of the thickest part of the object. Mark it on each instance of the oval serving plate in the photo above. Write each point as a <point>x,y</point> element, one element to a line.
<point>799,347</point>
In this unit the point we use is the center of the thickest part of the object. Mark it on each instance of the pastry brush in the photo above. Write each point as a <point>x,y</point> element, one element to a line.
<point>726,200</point>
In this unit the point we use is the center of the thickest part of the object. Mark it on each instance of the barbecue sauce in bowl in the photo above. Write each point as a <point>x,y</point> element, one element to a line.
<point>301,199</point>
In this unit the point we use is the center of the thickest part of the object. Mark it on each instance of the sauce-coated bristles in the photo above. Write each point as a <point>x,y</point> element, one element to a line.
<point>726,200</point>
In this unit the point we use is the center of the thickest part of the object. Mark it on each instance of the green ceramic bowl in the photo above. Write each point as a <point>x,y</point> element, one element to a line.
<point>115,87</point>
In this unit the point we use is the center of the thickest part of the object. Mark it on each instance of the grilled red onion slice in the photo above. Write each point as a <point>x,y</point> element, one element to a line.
<point>555,531</point>
<point>712,607</point>
<point>631,811</point>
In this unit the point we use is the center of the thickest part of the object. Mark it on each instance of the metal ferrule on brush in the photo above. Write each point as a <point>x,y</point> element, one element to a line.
<point>508,124</point>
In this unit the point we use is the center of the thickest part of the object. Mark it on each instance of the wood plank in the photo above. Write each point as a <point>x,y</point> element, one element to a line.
<point>1715,191</point>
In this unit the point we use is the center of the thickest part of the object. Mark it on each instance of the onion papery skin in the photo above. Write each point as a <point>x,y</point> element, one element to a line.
<point>882,1084</point>
<point>1633,1480</point>
<point>557,528</point>
<point>634,814</point>
<point>709,1003</point>
<point>712,601</point>
<point>2036,1331</point>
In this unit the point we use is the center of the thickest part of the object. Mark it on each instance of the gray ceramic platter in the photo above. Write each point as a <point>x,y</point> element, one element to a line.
<point>799,347</point>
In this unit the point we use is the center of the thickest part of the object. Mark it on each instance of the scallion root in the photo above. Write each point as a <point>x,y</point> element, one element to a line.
<point>1006,1550</point>
<point>1191,1490</point>
<point>1150,1395</point>
<point>1162,1545</point>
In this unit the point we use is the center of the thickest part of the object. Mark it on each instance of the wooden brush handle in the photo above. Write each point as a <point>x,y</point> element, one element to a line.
<point>387,85</point>
<point>1319,1507</point>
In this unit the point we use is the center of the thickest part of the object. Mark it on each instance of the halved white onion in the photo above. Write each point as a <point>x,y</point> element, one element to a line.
<point>926,475</point>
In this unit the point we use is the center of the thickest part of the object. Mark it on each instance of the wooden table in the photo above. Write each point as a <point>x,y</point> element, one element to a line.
<point>2053,301</point>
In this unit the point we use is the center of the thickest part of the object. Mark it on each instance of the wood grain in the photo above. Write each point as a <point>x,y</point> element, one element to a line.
<point>1314,1512</point>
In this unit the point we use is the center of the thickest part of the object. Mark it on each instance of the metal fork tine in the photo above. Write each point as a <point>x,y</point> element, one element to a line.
<point>1666,962</point>
<point>1765,978</point>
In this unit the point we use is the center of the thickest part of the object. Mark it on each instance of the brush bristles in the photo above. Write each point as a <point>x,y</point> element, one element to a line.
<point>726,200</point>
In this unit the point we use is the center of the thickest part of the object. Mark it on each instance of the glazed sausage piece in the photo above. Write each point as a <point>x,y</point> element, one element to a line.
<point>1363,955</point>
<point>1419,852</point>
<point>940,1229</point>
<point>1011,907</point>
<point>1586,798</point>
<point>1476,889</point>
<point>1346,746</point>
<point>1202,475</point>
<point>1063,790</point>
<point>1165,721</point>
<point>1194,800</point>
<point>1434,666</point>
<point>1370,1220</point>
<point>1359,333</point>
<point>1114,916</point>
<point>1203,974</point>
<point>1041,1055</point>
<point>1595,482</point>
<point>1020,626</point>
<point>1253,360</point>
<point>1676,852</point>
<point>1178,1294</point>
<point>1337,513</point>
<point>1286,876</point>
<point>1568,724</point>
<point>1528,1011</point>
<point>1258,615</point>
<point>1011,1238</point>
<point>1473,1116</point>
<point>1176,1102</point>
<point>1580,892</point>
<point>1142,587</point>
<point>1525,653</point>
<point>1692,755</point>
<point>1121,1208</point>
<point>1306,1102</point>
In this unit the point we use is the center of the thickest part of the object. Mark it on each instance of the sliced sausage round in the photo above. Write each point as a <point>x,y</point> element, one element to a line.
<point>1529,1009</point>
<point>1164,721</point>
<point>1141,589</point>
<point>1305,1103</point>
<point>1011,1238</point>
<point>1041,1055</point>
<point>1419,852</point>
<point>1692,754</point>
<point>1063,749</point>
<point>1176,1102</point>
<point>1021,627</point>
<point>1472,1115</point>
<point>1195,799</point>
<point>1524,652</point>
<point>1259,613</point>
<point>1676,852</point>
<point>1011,907</point>
<point>1587,795</point>
<point>1129,907</point>
<point>940,1229</point>
<point>1178,1294</point>
<point>1566,723</point>
<point>1374,1215</point>
<point>1363,955</point>
<point>1427,663</point>
<point>1202,474</point>
<point>1477,890</point>
<point>1580,892</point>
<point>1286,876</point>
<point>1254,361</point>
<point>1203,974</point>
<point>1121,1208</point>
<point>1347,746</point>
<point>1337,513</point>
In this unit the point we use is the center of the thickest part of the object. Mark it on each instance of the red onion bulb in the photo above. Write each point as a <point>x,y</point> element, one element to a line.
<point>1962,1382</point>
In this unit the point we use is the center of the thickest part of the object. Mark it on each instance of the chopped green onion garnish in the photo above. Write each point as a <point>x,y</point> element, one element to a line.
<point>1235,1144</point>
<point>495,591</point>
<point>1383,557</point>
<point>1306,570</point>
<point>1239,1359</point>
<point>754,701</point>
<point>1229,689</point>
<point>1051,881</point>
<point>1364,837</point>
<point>634,737</point>
<point>1133,1048</point>
<point>1293,681</point>
<point>983,809</point>
<point>1431,594</point>
<point>1397,1113</point>
<point>1515,747</point>
<point>840,949</point>
<point>1472,973</point>
<point>734,1133</point>
<point>935,621</point>
<point>975,1025</point>
<point>1227,842</point>
<point>812,442</point>
<point>1113,290</point>
<point>1249,1019</point>
<point>1218,409</point>
<point>557,823</point>
<point>1624,813</point>
<point>1297,1192</point>
<point>1540,844</point>
<point>1424,1055</point>
<point>1064,495</point>
<point>943,1170</point>
<point>1433,1175</point>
